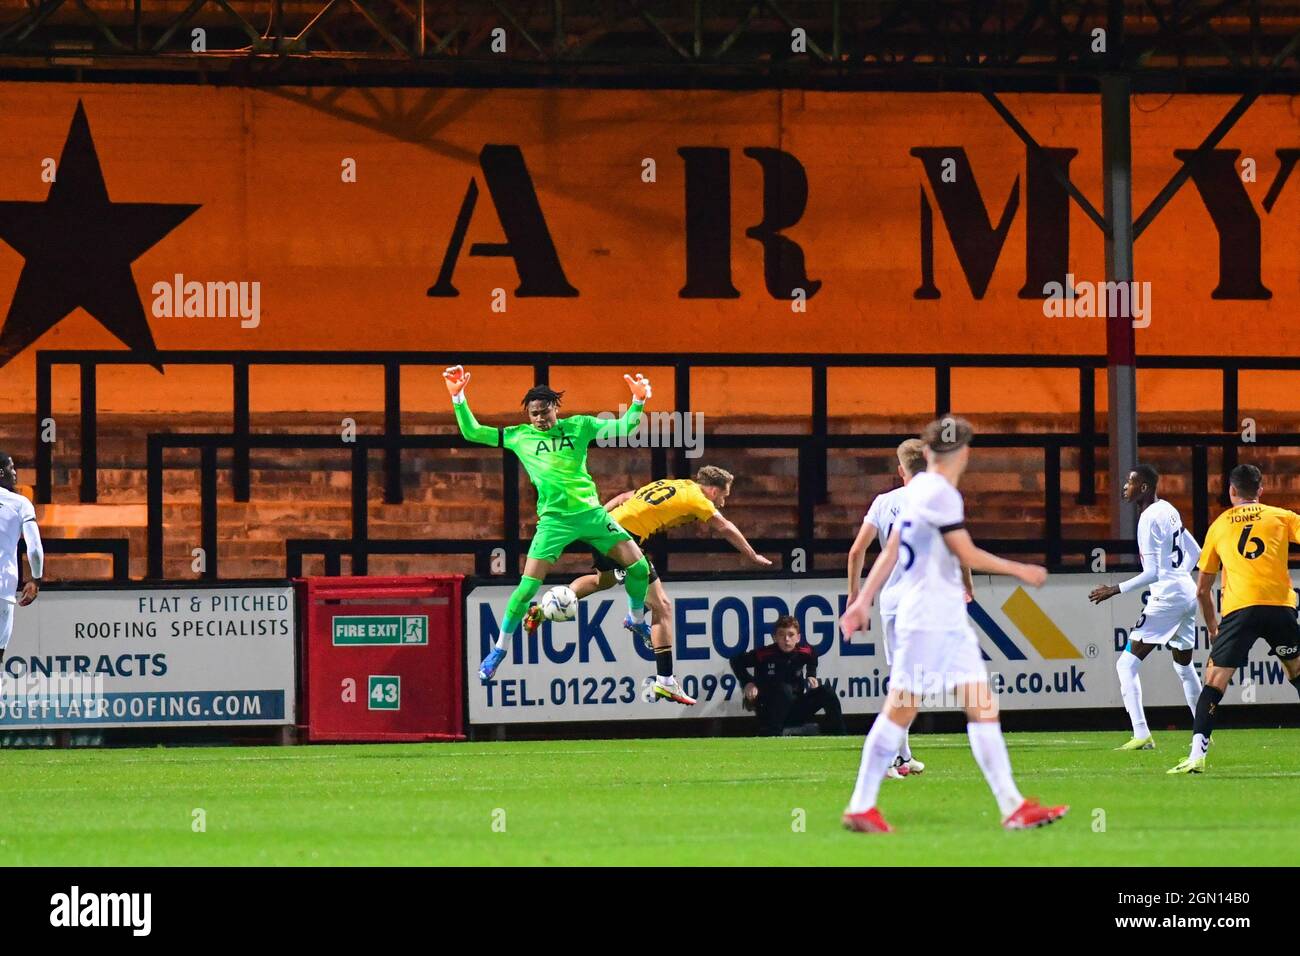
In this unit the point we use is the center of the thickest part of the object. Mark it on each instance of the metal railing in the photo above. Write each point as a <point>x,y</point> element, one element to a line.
<point>812,447</point>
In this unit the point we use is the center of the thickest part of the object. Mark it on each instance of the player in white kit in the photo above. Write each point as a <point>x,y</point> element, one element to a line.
<point>17,519</point>
<point>878,523</point>
<point>1169,555</point>
<point>937,647</point>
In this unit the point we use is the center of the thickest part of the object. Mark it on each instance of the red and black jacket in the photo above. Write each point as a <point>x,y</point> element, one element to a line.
<point>769,664</point>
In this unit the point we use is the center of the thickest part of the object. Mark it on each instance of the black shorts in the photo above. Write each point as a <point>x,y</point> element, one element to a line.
<point>603,563</point>
<point>1239,631</point>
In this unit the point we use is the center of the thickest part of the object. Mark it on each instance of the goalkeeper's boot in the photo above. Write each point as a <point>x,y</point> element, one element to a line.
<point>640,628</point>
<point>1031,814</point>
<point>869,822</point>
<point>1139,743</point>
<point>533,619</point>
<point>1190,765</point>
<point>490,663</point>
<point>667,688</point>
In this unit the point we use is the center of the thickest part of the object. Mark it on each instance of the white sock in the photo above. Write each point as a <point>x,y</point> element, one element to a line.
<point>1191,684</point>
<point>877,755</point>
<point>905,748</point>
<point>1200,745</point>
<point>1130,689</point>
<point>990,752</point>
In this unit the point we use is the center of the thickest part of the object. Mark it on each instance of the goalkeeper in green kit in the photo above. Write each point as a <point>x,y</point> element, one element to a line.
<point>554,453</point>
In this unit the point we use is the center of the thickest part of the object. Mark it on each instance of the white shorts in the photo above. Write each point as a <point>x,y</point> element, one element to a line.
<point>1168,622</point>
<point>887,626</point>
<point>933,662</point>
<point>6,622</point>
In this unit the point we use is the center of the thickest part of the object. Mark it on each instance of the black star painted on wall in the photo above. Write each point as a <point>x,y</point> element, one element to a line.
<point>79,246</point>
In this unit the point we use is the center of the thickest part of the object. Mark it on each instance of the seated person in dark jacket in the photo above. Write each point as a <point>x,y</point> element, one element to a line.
<point>780,682</point>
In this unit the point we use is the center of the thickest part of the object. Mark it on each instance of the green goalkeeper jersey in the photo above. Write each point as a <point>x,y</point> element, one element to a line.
<point>556,460</point>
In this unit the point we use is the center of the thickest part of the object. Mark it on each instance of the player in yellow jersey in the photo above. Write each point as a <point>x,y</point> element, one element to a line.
<point>1250,542</point>
<point>656,507</point>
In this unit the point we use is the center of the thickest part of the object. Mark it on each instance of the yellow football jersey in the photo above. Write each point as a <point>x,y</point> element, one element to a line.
<point>661,505</point>
<point>1250,543</point>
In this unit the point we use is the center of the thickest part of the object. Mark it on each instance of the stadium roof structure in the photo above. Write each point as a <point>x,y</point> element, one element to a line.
<point>1046,45</point>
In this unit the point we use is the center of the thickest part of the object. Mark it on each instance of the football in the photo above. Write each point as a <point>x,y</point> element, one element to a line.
<point>560,604</point>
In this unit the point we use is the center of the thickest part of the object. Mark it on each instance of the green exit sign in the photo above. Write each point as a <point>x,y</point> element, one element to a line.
<point>383,629</point>
<point>385,693</point>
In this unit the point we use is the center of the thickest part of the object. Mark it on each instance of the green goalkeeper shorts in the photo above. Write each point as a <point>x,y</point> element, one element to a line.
<point>556,532</point>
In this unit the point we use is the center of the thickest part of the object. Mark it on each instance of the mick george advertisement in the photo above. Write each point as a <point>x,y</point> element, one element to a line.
<point>1043,648</point>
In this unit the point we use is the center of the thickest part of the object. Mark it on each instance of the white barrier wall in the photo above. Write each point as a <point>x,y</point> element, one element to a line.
<point>1047,648</point>
<point>151,657</point>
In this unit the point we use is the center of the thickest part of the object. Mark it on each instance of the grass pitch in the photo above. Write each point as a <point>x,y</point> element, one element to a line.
<point>731,801</point>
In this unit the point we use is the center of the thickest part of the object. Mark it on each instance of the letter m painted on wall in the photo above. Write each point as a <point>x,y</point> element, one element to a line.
<point>977,242</point>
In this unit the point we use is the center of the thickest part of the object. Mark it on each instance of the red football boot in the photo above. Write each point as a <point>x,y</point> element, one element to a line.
<point>1032,814</point>
<point>869,822</point>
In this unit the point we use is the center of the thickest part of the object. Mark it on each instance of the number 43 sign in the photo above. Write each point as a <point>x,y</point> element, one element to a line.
<point>385,693</point>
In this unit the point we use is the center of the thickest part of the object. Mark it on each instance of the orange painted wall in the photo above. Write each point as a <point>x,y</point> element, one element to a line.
<point>346,265</point>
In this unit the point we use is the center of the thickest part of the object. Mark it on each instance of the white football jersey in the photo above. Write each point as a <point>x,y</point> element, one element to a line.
<point>883,515</point>
<point>1167,548</point>
<point>930,593</point>
<point>17,519</point>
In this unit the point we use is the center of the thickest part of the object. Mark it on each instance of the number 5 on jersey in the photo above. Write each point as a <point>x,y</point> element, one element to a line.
<point>902,543</point>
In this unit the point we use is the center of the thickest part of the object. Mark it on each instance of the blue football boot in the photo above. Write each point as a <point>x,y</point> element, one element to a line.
<point>490,664</point>
<point>640,628</point>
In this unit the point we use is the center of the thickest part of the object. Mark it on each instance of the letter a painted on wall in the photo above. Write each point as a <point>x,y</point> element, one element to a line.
<point>528,241</point>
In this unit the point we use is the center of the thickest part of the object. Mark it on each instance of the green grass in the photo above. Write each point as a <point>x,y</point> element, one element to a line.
<point>682,802</point>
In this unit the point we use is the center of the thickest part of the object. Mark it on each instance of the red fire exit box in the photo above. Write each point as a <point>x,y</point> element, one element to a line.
<point>382,658</point>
